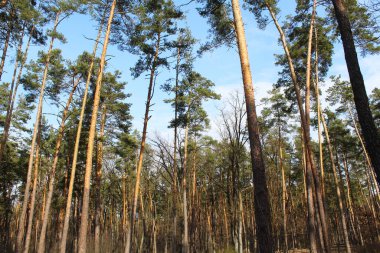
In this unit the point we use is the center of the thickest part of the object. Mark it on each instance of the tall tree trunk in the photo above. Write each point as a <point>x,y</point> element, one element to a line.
<point>128,246</point>
<point>124,205</point>
<point>65,230</point>
<point>337,186</point>
<point>318,190</point>
<point>284,194</point>
<point>185,241</point>
<point>41,242</point>
<point>319,116</point>
<point>99,164</point>
<point>33,197</point>
<point>355,222</point>
<point>21,229</point>
<point>261,198</point>
<point>310,166</point>
<point>370,133</point>
<point>175,174</point>
<point>82,243</point>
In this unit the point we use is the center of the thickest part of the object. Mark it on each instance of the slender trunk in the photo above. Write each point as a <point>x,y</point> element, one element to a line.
<point>21,229</point>
<point>284,200</point>
<point>99,164</point>
<point>90,146</point>
<point>355,222</point>
<point>185,242</point>
<point>33,196</point>
<point>240,221</point>
<point>337,185</point>
<point>194,175</point>
<point>261,195</point>
<point>318,190</point>
<point>41,242</point>
<point>65,229</point>
<point>128,247</point>
<point>319,116</point>
<point>310,166</point>
<point>367,158</point>
<point>369,130</point>
<point>124,205</point>
<point>175,175</point>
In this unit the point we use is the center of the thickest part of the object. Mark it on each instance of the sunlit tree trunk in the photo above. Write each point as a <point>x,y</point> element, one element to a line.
<point>319,116</point>
<point>175,174</point>
<point>21,229</point>
<point>98,178</point>
<point>33,196</point>
<point>82,242</point>
<point>128,246</point>
<point>65,230</point>
<point>311,175</point>
<point>355,222</point>
<point>42,238</point>
<point>337,186</point>
<point>284,194</point>
<point>262,205</point>
<point>318,190</point>
<point>185,240</point>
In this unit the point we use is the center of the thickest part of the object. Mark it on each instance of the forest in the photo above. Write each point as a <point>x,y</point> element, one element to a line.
<point>109,140</point>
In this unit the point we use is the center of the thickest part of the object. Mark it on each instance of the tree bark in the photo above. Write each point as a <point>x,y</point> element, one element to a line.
<point>82,243</point>
<point>65,230</point>
<point>284,194</point>
<point>337,186</point>
<point>185,242</point>
<point>175,174</point>
<point>128,246</point>
<point>41,242</point>
<point>21,229</point>
<point>310,166</point>
<point>369,130</point>
<point>99,164</point>
<point>261,195</point>
<point>33,197</point>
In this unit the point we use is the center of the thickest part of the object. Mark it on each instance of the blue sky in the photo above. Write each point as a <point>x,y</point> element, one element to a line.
<point>221,66</point>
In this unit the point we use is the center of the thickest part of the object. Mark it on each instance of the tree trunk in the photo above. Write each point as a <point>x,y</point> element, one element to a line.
<point>370,133</point>
<point>355,222</point>
<point>284,194</point>
<point>82,243</point>
<point>20,234</point>
<point>310,166</point>
<point>337,185</point>
<point>41,242</point>
<point>185,242</point>
<point>319,116</point>
<point>175,175</point>
<point>99,164</point>
<point>33,197</point>
<point>261,196</point>
<point>65,229</point>
<point>318,190</point>
<point>128,247</point>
